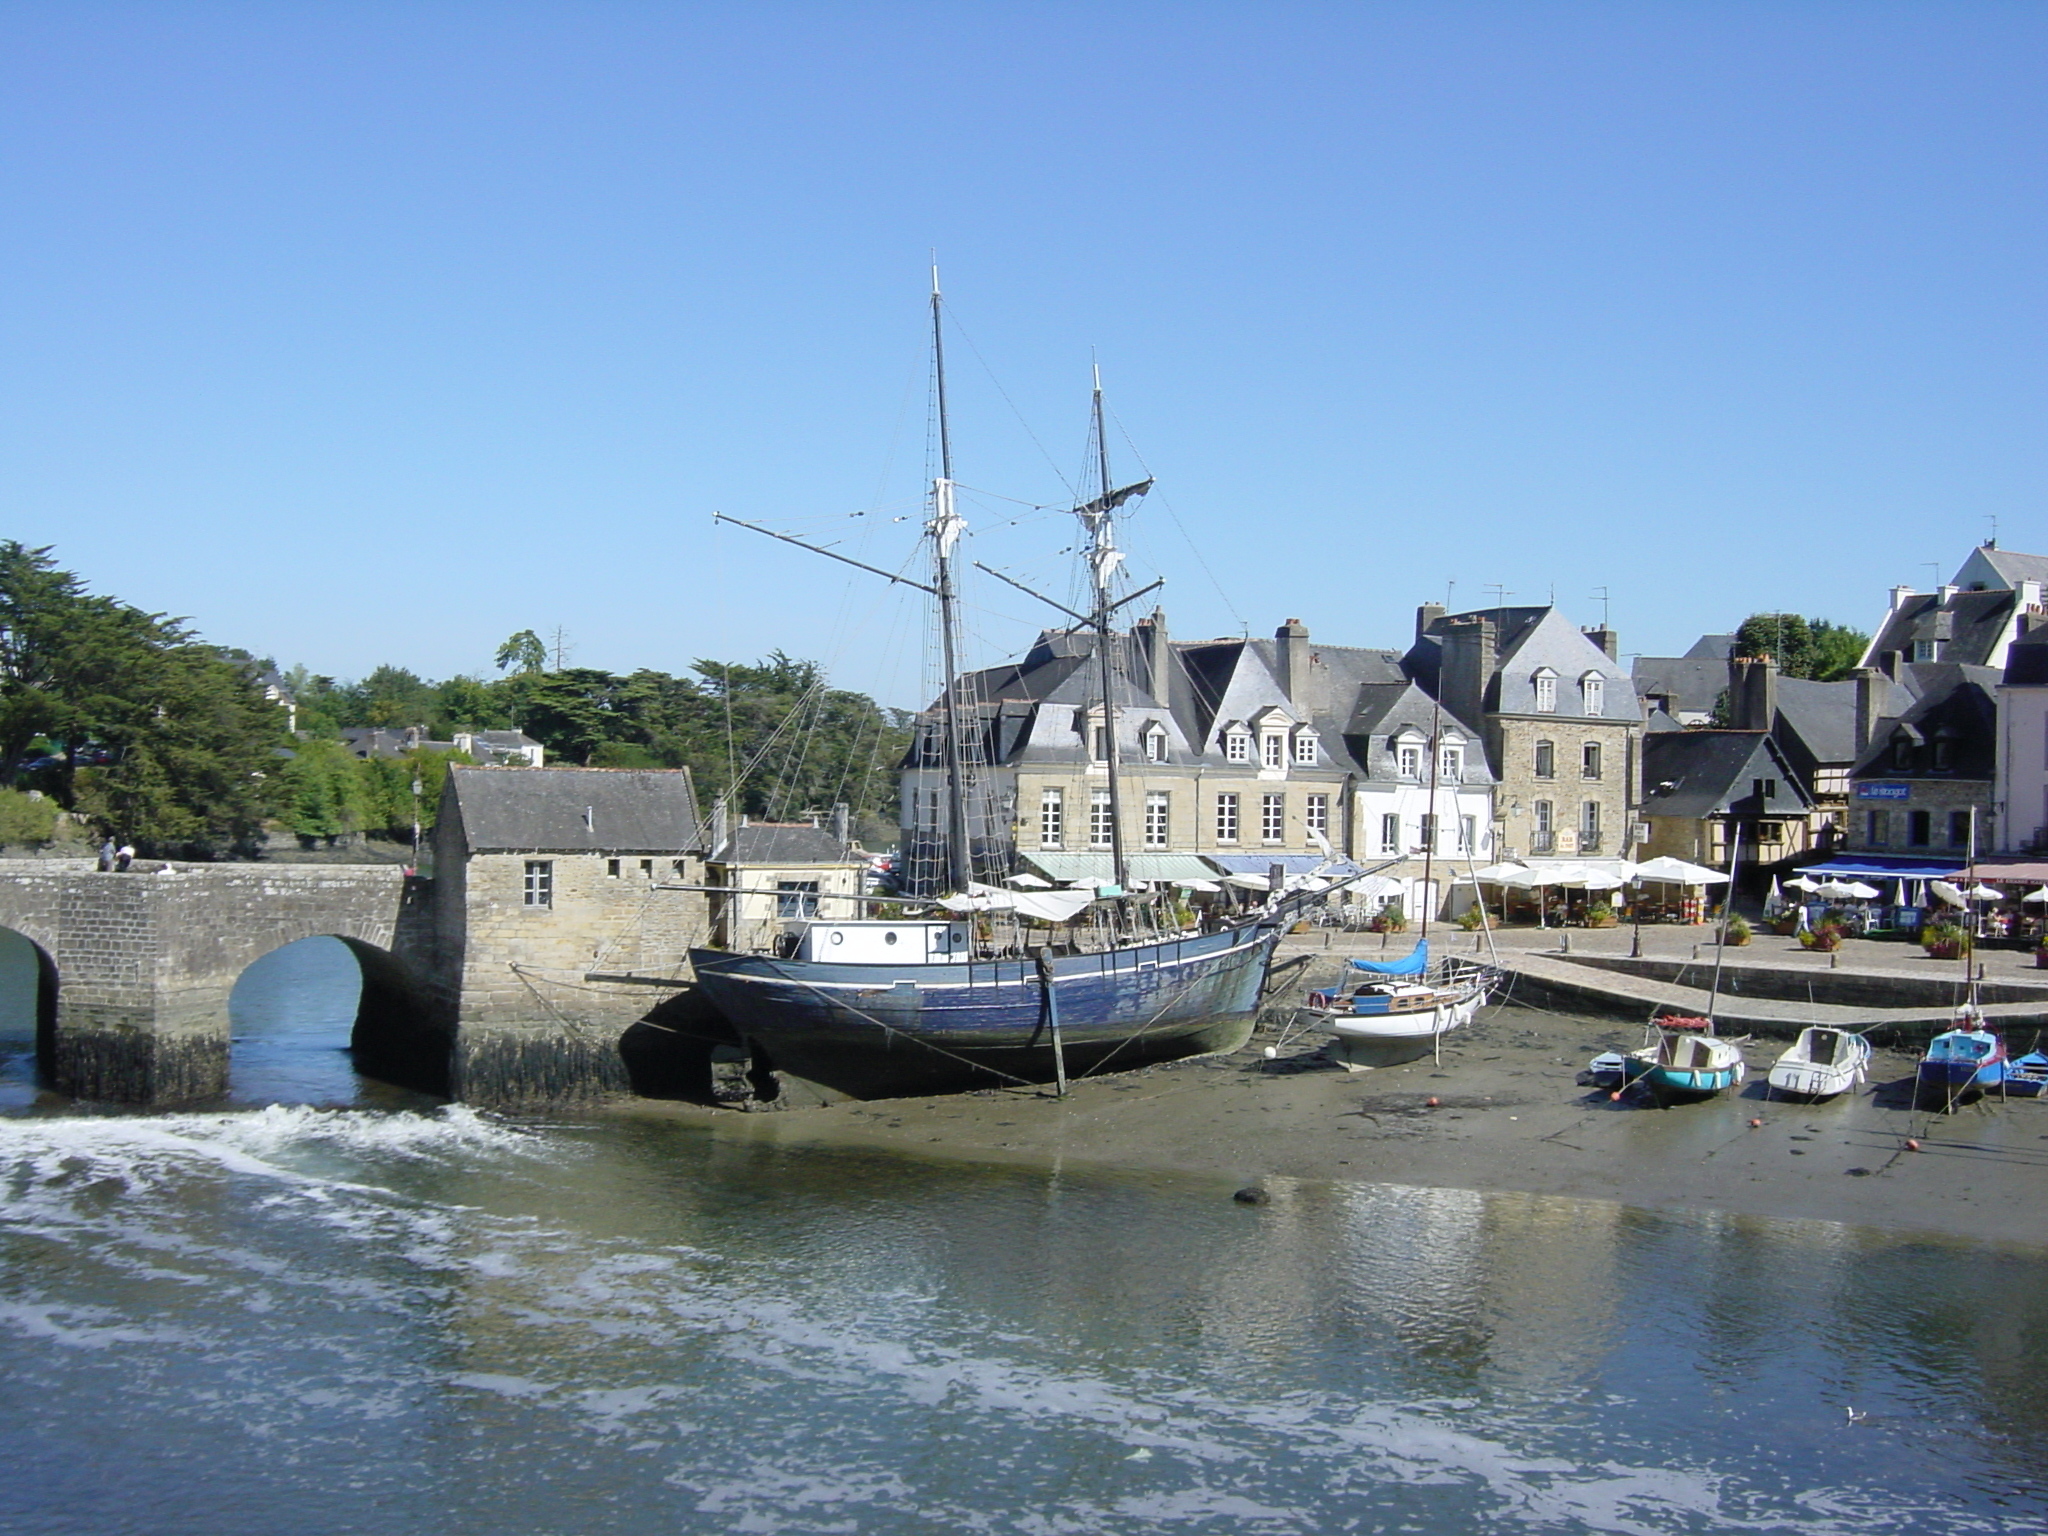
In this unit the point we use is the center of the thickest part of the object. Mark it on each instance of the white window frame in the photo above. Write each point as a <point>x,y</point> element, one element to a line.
<point>1545,682</point>
<point>1468,833</point>
<point>1226,817</point>
<point>1450,764</point>
<point>538,885</point>
<point>1408,759</point>
<point>1307,749</point>
<point>1589,818</point>
<point>1155,745</point>
<point>1316,815</point>
<point>1272,750</point>
<point>1158,818</point>
<point>1101,825</point>
<point>1273,818</point>
<point>1544,764</point>
<point>1052,817</point>
<point>1593,694</point>
<point>1237,746</point>
<point>1589,760</point>
<point>1390,833</point>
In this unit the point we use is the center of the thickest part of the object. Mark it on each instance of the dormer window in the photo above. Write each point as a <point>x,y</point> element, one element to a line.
<point>1273,750</point>
<point>1545,682</point>
<point>1924,650</point>
<point>1307,750</point>
<point>1450,762</point>
<point>1593,692</point>
<point>1237,746</point>
<point>1408,759</point>
<point>1155,745</point>
<point>1902,750</point>
<point>1098,743</point>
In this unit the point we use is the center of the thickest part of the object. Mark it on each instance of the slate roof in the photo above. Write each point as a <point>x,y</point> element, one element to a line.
<point>1715,647</point>
<point>2013,566</point>
<point>1690,682</point>
<point>1528,640</point>
<point>1821,715</point>
<point>577,810</point>
<point>1968,626</point>
<point>774,842</point>
<point>1695,774</point>
<point>1931,701</point>
<point>2026,664</point>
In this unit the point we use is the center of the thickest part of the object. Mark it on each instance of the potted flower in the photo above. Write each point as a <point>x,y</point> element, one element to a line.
<point>1600,915</point>
<point>1389,919</point>
<point>1473,918</point>
<point>1825,936</point>
<point>1945,941</point>
<point>1786,922</point>
<point>1737,931</point>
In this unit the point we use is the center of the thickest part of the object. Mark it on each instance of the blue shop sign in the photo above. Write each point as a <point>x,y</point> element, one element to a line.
<point>1884,791</point>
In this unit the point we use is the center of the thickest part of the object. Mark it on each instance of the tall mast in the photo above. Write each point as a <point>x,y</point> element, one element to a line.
<point>1103,559</point>
<point>944,530</point>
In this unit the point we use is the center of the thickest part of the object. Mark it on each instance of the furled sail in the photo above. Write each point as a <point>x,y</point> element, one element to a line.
<point>1414,963</point>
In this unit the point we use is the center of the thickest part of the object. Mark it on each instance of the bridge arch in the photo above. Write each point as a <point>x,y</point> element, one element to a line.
<point>293,1005</point>
<point>28,1012</point>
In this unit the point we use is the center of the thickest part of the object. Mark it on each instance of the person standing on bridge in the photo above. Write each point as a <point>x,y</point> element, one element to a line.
<point>107,856</point>
<point>125,857</point>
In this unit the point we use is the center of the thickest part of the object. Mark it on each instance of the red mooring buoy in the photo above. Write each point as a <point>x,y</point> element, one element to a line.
<point>1912,1145</point>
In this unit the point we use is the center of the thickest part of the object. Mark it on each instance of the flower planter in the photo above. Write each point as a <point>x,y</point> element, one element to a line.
<point>1944,951</point>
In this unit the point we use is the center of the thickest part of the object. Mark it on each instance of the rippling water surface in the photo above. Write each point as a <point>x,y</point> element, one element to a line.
<point>295,1318</point>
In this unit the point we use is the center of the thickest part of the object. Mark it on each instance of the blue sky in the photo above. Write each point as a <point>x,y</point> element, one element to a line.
<point>367,333</point>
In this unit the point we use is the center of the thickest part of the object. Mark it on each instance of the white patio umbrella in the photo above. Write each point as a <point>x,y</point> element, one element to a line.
<point>1672,871</point>
<point>1861,892</point>
<point>2036,896</point>
<point>1898,893</point>
<point>1985,893</point>
<point>1775,899</point>
<point>1947,893</point>
<point>1801,883</point>
<point>1841,890</point>
<point>1499,874</point>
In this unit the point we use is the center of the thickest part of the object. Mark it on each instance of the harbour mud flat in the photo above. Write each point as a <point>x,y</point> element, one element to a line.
<point>1508,1116</point>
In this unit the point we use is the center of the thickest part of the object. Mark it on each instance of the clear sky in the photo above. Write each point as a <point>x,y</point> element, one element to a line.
<point>376,332</point>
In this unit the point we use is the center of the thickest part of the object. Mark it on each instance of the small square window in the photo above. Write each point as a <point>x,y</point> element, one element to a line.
<point>611,868</point>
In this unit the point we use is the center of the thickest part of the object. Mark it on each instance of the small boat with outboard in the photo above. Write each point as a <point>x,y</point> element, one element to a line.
<point>2026,1076</point>
<point>1684,1060</point>
<point>1401,1009</point>
<point>1821,1064</point>
<point>1960,1063</point>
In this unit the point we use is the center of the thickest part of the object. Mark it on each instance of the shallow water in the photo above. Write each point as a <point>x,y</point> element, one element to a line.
<point>359,1320</point>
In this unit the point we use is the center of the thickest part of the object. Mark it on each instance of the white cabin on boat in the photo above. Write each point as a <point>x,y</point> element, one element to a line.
<point>886,943</point>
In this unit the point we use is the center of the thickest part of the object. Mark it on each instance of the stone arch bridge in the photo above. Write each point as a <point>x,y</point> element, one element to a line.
<point>136,967</point>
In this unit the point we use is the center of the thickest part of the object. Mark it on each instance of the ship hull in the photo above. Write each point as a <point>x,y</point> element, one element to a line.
<point>874,1031</point>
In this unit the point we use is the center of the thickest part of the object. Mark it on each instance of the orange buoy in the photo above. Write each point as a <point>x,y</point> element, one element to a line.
<point>1912,1145</point>
<point>1614,1097</point>
<point>1432,1102</point>
<point>1754,1124</point>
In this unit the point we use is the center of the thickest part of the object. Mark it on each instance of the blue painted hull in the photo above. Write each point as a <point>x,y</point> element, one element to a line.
<point>883,1031</point>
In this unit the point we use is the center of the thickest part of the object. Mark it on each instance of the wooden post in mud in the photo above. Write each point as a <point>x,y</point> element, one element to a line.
<point>1043,959</point>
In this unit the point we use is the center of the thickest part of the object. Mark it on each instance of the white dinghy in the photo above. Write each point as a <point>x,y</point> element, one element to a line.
<point>1822,1063</point>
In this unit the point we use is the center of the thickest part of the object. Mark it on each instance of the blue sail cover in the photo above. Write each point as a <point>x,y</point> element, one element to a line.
<point>1414,963</point>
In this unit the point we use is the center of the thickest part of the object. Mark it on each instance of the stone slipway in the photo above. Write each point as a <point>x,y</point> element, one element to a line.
<point>1603,985</point>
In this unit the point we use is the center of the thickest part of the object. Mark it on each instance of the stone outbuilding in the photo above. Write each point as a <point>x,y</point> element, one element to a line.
<point>566,900</point>
<point>781,873</point>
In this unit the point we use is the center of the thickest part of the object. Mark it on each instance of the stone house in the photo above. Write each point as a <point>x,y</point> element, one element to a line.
<point>561,899</point>
<point>1232,754</point>
<point>1813,727</point>
<point>1559,718</point>
<point>1703,787</point>
<point>1921,787</point>
<point>1685,688</point>
<point>779,873</point>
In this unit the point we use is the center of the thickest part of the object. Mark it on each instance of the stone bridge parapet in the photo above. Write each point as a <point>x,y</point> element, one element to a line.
<point>141,964</point>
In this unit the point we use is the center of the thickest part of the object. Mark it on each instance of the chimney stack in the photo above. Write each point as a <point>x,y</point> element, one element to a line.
<point>1157,655</point>
<point>1901,596</point>
<point>1291,643</point>
<point>1470,656</point>
<point>1873,691</point>
<point>1607,640</point>
<point>1752,692</point>
<point>1425,616</point>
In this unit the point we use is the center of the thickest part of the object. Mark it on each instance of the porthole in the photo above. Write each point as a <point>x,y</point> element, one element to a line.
<point>838,938</point>
<point>888,938</point>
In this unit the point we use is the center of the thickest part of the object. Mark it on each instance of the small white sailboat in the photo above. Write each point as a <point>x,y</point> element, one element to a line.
<point>1821,1063</point>
<point>1403,1011</point>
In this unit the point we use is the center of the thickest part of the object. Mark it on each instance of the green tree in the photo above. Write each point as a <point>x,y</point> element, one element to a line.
<point>1808,648</point>
<point>522,653</point>
<point>322,792</point>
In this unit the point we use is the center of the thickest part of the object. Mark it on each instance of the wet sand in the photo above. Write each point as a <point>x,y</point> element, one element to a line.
<point>1509,1117</point>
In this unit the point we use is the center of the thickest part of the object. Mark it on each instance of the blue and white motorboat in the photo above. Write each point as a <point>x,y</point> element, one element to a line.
<point>1684,1060</point>
<point>2026,1076</point>
<point>1960,1062</point>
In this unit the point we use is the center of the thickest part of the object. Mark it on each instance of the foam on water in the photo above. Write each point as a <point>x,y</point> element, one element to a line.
<point>383,1293</point>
